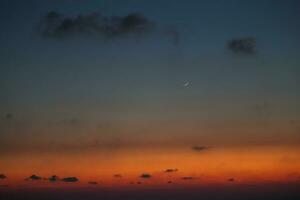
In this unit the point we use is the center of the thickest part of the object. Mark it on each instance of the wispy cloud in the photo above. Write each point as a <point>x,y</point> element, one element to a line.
<point>199,148</point>
<point>170,170</point>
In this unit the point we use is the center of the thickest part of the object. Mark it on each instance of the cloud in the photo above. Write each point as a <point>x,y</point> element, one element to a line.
<point>70,179</point>
<point>9,116</point>
<point>58,26</point>
<point>2,176</point>
<point>199,148</point>
<point>53,178</point>
<point>246,46</point>
<point>92,182</point>
<point>231,180</point>
<point>145,176</point>
<point>171,170</point>
<point>34,177</point>
<point>55,25</point>
<point>187,178</point>
<point>117,175</point>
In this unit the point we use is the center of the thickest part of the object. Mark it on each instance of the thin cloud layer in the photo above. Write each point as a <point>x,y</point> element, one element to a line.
<point>245,45</point>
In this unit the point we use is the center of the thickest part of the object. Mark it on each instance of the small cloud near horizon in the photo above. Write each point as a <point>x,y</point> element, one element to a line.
<point>170,170</point>
<point>187,178</point>
<point>70,179</point>
<point>199,148</point>
<point>34,177</point>
<point>92,182</point>
<point>117,176</point>
<point>145,176</point>
<point>53,178</point>
<point>2,176</point>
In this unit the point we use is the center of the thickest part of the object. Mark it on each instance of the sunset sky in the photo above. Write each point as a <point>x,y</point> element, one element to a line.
<point>141,95</point>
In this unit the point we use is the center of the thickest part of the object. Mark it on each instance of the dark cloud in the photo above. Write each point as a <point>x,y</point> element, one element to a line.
<point>145,175</point>
<point>169,182</point>
<point>117,175</point>
<point>199,148</point>
<point>2,176</point>
<point>55,25</point>
<point>231,180</point>
<point>245,45</point>
<point>171,170</point>
<point>9,116</point>
<point>92,182</point>
<point>70,179</point>
<point>34,177</point>
<point>53,178</point>
<point>187,178</point>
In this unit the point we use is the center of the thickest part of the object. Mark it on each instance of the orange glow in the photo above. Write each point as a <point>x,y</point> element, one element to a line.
<point>214,165</point>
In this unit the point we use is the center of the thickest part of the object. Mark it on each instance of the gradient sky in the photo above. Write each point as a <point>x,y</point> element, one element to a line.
<point>173,96</point>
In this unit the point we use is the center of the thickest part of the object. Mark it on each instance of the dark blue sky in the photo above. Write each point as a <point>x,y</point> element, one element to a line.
<point>90,78</point>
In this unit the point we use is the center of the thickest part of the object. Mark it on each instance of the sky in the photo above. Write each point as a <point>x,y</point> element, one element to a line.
<point>149,94</point>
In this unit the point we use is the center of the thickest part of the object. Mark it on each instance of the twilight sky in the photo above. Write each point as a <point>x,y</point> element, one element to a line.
<point>121,84</point>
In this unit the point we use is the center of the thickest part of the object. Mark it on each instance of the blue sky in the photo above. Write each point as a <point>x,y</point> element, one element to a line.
<point>95,78</point>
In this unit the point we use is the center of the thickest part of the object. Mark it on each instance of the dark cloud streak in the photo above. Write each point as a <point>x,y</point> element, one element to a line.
<point>70,179</point>
<point>170,170</point>
<point>199,148</point>
<point>55,25</point>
